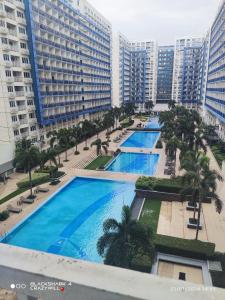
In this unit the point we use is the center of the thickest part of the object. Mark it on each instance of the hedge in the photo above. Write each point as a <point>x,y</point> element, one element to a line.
<point>159,184</point>
<point>183,247</point>
<point>37,178</point>
<point>218,277</point>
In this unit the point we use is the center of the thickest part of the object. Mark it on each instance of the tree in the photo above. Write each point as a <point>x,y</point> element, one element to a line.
<point>129,108</point>
<point>201,181</point>
<point>117,114</point>
<point>43,158</point>
<point>97,126</point>
<point>124,241</point>
<point>108,121</point>
<point>27,155</point>
<point>86,131</point>
<point>54,144</point>
<point>171,104</point>
<point>149,106</point>
<point>171,147</point>
<point>64,137</point>
<point>100,145</point>
<point>76,138</point>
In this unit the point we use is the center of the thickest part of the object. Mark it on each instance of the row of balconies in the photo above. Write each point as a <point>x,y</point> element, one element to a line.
<point>13,95</point>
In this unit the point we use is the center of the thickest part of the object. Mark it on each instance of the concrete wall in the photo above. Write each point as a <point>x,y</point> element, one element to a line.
<point>87,281</point>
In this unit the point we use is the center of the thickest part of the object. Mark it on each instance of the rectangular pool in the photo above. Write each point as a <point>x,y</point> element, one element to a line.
<point>141,139</point>
<point>137,163</point>
<point>70,222</point>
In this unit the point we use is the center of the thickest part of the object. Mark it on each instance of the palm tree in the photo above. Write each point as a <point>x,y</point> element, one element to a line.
<point>27,155</point>
<point>171,147</point>
<point>43,158</point>
<point>202,180</point>
<point>149,106</point>
<point>76,138</point>
<point>98,126</point>
<point>117,114</point>
<point>124,241</point>
<point>171,104</point>
<point>100,145</point>
<point>64,138</point>
<point>54,144</point>
<point>86,131</point>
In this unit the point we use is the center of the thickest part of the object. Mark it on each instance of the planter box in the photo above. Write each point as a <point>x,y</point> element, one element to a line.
<point>164,196</point>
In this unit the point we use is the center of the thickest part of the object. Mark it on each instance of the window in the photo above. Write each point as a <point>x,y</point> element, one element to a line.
<point>30,102</point>
<point>10,89</point>
<point>12,104</point>
<point>8,73</point>
<point>22,30</point>
<point>32,128</point>
<point>4,41</point>
<point>14,118</point>
<point>20,14</point>
<point>23,45</point>
<point>6,57</point>
<point>25,60</point>
<point>26,74</point>
<point>182,276</point>
<point>16,132</point>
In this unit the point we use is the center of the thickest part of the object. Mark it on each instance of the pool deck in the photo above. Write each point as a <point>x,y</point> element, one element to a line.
<point>173,216</point>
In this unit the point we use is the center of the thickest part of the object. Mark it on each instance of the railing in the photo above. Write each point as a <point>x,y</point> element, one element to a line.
<point>23,121</point>
<point>20,94</point>
<point>18,79</point>
<point>21,107</point>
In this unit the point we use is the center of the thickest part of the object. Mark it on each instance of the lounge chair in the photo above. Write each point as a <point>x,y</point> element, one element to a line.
<point>42,190</point>
<point>55,181</point>
<point>28,201</point>
<point>13,209</point>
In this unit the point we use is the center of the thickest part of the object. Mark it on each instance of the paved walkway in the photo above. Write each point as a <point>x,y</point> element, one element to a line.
<point>174,217</point>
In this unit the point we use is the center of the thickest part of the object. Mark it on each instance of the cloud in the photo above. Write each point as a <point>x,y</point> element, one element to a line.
<point>161,20</point>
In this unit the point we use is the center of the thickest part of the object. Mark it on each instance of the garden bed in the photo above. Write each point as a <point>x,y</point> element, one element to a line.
<point>99,163</point>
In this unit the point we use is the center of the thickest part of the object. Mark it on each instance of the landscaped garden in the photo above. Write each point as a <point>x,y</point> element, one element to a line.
<point>99,163</point>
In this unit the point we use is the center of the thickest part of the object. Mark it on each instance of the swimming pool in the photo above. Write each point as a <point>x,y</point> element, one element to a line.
<point>70,222</point>
<point>141,139</point>
<point>153,123</point>
<point>137,163</point>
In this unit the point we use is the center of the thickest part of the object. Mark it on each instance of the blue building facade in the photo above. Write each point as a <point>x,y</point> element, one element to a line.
<point>138,75</point>
<point>190,78</point>
<point>70,56</point>
<point>215,94</point>
<point>165,74</point>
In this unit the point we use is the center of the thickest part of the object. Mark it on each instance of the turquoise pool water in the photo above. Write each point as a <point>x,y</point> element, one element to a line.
<point>141,139</point>
<point>153,123</point>
<point>70,223</point>
<point>138,163</point>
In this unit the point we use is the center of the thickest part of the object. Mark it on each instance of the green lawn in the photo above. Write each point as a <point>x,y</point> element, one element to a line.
<point>99,162</point>
<point>13,194</point>
<point>150,213</point>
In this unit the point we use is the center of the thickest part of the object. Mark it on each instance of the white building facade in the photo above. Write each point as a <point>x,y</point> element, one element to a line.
<point>55,69</point>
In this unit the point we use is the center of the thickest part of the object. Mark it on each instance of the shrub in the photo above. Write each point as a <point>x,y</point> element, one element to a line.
<point>4,215</point>
<point>127,123</point>
<point>37,178</point>
<point>86,148</point>
<point>47,169</point>
<point>76,153</point>
<point>58,174</point>
<point>183,247</point>
<point>159,184</point>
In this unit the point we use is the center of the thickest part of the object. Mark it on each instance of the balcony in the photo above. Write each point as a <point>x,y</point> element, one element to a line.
<point>12,32</point>
<point>20,94</point>
<point>24,134</point>
<point>18,79</point>
<point>6,47</point>
<point>22,107</point>
<point>27,80</point>
<point>15,124</point>
<point>30,108</point>
<point>23,121</point>
<point>16,64</point>
<point>13,110</point>
<point>2,13</point>
<point>11,95</point>
<point>8,64</point>
<point>3,30</point>
<point>9,79</point>
<point>30,94</point>
<point>24,51</point>
<point>10,16</point>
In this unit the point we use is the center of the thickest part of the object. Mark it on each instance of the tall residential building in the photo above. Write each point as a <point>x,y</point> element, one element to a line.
<point>121,69</point>
<point>215,95</point>
<point>204,60</point>
<point>134,71</point>
<point>165,74</point>
<point>144,73</point>
<point>190,78</point>
<point>17,110</point>
<point>178,69</point>
<point>55,60</point>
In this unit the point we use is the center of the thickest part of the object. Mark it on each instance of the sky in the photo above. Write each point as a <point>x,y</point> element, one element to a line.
<point>161,20</point>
